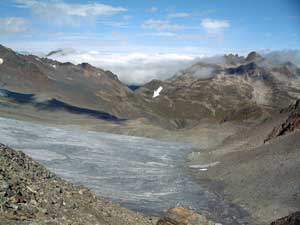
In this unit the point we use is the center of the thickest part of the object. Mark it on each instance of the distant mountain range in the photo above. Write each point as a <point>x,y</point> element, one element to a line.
<point>230,88</point>
<point>224,88</point>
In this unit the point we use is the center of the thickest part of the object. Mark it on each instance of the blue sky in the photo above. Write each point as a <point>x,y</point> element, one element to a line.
<point>152,25</point>
<point>178,29</point>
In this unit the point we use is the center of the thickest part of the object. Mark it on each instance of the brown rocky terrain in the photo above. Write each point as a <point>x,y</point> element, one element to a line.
<point>48,79</point>
<point>254,88</point>
<point>261,177</point>
<point>182,216</point>
<point>236,88</point>
<point>291,124</point>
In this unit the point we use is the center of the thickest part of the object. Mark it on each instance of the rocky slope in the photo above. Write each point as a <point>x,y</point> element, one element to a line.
<point>48,79</point>
<point>291,123</point>
<point>231,87</point>
<point>260,176</point>
<point>234,88</point>
<point>30,194</point>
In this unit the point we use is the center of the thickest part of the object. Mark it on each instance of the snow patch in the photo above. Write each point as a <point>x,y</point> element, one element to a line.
<point>203,167</point>
<point>1,61</point>
<point>54,66</point>
<point>156,93</point>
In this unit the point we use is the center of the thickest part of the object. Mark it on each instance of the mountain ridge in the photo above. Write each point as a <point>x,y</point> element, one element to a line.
<point>254,87</point>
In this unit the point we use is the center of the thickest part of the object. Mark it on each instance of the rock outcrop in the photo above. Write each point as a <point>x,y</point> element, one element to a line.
<point>291,124</point>
<point>293,219</point>
<point>182,216</point>
<point>253,56</point>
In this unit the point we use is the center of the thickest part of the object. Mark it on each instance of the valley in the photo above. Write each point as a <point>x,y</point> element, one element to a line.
<point>220,154</point>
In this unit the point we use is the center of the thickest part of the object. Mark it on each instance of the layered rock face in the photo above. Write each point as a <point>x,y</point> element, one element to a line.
<point>291,124</point>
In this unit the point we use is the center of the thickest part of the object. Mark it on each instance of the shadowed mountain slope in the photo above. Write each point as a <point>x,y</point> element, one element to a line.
<point>79,85</point>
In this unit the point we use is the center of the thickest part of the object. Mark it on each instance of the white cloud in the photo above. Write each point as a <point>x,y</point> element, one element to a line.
<point>13,25</point>
<point>127,17</point>
<point>161,25</point>
<point>178,15</point>
<point>133,68</point>
<point>153,9</point>
<point>164,34</point>
<point>114,23</point>
<point>60,11</point>
<point>283,56</point>
<point>214,26</point>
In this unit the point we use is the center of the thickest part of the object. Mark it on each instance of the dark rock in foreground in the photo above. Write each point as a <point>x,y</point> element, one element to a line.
<point>182,216</point>
<point>293,219</point>
<point>30,194</point>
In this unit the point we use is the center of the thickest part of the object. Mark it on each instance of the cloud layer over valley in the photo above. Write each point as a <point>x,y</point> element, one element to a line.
<point>132,68</point>
<point>139,68</point>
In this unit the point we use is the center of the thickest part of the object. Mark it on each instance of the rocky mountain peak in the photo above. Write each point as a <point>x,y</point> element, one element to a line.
<point>232,59</point>
<point>243,69</point>
<point>87,66</point>
<point>253,56</point>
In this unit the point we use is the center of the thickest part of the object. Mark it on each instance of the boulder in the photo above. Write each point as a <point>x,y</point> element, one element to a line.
<point>182,216</point>
<point>253,56</point>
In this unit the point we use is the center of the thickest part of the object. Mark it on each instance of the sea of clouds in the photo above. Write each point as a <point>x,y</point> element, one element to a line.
<point>139,68</point>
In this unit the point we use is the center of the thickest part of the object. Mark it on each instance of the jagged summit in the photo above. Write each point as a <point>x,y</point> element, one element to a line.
<point>253,56</point>
<point>232,59</point>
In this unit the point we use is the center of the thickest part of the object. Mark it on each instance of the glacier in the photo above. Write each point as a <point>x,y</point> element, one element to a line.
<point>142,174</point>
